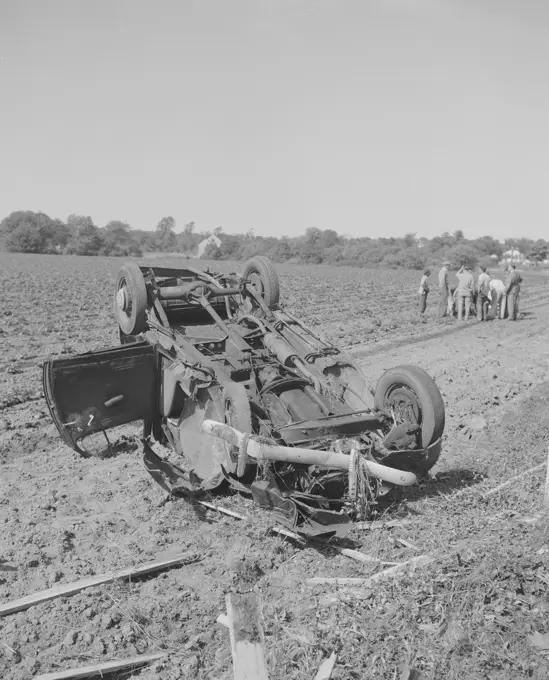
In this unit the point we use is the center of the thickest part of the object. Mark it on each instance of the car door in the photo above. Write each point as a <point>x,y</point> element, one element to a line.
<point>95,392</point>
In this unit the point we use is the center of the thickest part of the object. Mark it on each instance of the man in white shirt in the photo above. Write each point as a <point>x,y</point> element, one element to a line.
<point>465,290</point>
<point>443,290</point>
<point>497,292</point>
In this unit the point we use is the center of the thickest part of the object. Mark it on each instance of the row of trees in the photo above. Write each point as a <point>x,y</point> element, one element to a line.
<point>327,246</point>
<point>25,231</point>
<point>31,232</point>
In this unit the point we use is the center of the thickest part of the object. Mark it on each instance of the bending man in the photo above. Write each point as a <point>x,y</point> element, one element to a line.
<point>497,290</point>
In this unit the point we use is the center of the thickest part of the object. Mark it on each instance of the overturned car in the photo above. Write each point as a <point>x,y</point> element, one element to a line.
<point>236,390</point>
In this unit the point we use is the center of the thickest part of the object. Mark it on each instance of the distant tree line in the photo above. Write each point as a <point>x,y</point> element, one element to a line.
<point>35,232</point>
<point>326,246</point>
<point>25,231</point>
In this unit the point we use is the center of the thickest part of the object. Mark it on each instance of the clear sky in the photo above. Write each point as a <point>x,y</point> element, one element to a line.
<point>371,117</point>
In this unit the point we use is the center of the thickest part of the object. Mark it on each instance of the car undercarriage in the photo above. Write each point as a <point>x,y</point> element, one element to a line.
<point>240,392</point>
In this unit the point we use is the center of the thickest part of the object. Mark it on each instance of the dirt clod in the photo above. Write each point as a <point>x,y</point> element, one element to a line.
<point>70,638</point>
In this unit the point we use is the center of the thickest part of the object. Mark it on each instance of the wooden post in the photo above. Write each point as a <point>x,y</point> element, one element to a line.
<point>246,630</point>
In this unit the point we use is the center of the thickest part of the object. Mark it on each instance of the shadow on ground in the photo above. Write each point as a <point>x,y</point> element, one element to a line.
<point>443,484</point>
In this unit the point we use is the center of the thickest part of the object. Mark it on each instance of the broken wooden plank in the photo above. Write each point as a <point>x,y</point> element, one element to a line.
<point>491,492</point>
<point>382,525</point>
<point>66,589</point>
<point>353,554</point>
<point>223,511</point>
<point>246,630</point>
<point>406,543</point>
<point>546,492</point>
<point>336,581</point>
<point>326,668</point>
<point>360,556</point>
<point>421,560</point>
<point>101,669</point>
<point>289,534</point>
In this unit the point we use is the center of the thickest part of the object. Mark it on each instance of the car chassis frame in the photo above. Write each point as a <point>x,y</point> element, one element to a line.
<point>234,389</point>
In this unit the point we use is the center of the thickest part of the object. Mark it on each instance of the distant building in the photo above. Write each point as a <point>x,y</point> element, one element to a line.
<point>206,242</point>
<point>515,257</point>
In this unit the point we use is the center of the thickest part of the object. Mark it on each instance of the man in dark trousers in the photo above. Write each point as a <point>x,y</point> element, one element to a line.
<point>443,290</point>
<point>423,292</point>
<point>512,291</point>
<point>483,294</point>
<point>465,290</point>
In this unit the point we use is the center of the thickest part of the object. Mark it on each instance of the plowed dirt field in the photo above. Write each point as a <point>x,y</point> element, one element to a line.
<point>479,610</point>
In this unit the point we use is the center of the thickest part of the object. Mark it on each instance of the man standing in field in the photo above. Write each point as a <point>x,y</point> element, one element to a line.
<point>512,291</point>
<point>423,292</point>
<point>443,290</point>
<point>497,291</point>
<point>465,290</point>
<point>483,294</point>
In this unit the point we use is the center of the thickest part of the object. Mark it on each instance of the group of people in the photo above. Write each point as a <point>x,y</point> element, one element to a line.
<point>484,296</point>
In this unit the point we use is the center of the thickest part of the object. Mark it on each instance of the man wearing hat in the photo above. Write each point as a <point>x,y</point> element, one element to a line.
<point>423,293</point>
<point>465,290</point>
<point>443,290</point>
<point>483,294</point>
<point>512,291</point>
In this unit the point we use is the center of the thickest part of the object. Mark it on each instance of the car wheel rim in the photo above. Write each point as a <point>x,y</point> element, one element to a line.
<point>404,405</point>
<point>255,282</point>
<point>124,300</point>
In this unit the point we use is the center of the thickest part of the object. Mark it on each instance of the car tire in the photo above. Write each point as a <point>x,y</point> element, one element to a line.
<point>262,274</point>
<point>411,382</point>
<point>130,299</point>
